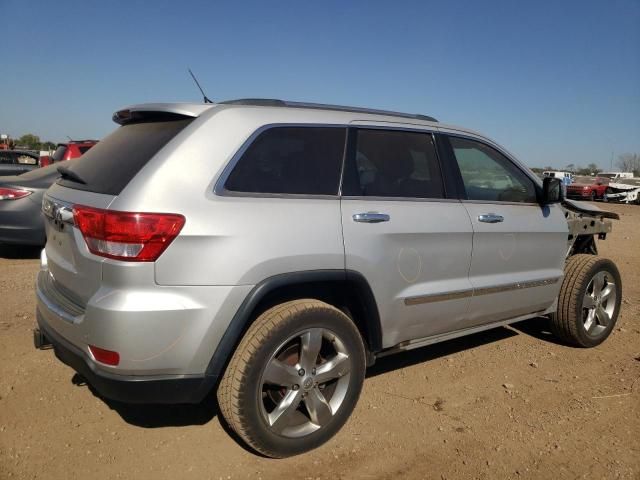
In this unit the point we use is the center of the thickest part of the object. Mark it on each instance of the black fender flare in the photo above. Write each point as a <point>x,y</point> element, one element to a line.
<point>242,318</point>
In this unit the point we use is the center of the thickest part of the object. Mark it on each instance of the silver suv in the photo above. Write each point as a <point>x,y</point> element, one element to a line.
<point>272,250</point>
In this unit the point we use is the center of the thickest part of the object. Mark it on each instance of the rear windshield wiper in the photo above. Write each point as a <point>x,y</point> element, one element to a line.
<point>70,175</point>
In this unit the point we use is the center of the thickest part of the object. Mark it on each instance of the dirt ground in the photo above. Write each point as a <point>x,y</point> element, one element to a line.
<point>508,403</point>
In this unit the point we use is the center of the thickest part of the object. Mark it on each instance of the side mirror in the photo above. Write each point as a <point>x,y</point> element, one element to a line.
<point>551,191</point>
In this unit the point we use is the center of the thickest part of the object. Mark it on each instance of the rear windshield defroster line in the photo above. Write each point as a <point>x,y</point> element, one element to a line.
<point>110,165</point>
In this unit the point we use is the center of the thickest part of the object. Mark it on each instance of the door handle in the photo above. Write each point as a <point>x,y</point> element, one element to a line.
<point>490,218</point>
<point>371,217</point>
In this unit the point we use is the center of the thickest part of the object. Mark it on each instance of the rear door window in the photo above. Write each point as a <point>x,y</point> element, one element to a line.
<point>113,162</point>
<point>392,163</point>
<point>291,160</point>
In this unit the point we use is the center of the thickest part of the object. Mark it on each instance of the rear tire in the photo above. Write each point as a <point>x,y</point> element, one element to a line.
<point>294,379</point>
<point>589,301</point>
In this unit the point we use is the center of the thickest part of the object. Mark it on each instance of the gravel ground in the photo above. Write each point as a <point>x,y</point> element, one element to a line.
<point>508,403</point>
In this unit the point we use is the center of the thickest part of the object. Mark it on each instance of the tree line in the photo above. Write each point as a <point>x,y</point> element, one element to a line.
<point>29,141</point>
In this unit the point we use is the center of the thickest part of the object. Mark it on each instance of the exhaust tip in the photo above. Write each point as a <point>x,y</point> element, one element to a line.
<point>40,341</point>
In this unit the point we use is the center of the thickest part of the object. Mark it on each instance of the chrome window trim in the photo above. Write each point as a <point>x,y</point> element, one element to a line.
<point>401,199</point>
<point>220,190</point>
<point>476,292</point>
<point>293,196</point>
<point>497,202</point>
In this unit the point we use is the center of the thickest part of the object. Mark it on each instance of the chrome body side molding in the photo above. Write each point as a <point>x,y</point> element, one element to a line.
<point>441,297</point>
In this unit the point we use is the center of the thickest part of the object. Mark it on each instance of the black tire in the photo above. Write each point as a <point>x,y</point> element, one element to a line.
<point>593,195</point>
<point>243,394</point>
<point>572,322</point>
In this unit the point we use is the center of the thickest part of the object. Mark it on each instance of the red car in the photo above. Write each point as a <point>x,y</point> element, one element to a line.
<point>67,151</point>
<point>588,188</point>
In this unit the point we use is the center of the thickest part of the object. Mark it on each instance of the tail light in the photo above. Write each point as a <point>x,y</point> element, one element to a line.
<point>13,193</point>
<point>129,236</point>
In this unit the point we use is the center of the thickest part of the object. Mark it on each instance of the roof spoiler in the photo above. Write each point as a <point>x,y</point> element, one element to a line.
<point>158,112</point>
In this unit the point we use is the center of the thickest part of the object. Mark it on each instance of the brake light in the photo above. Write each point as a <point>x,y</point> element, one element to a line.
<point>129,236</point>
<point>104,356</point>
<point>13,193</point>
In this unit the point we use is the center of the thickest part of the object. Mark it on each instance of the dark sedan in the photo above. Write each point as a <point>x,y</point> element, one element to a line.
<point>21,219</point>
<point>15,162</point>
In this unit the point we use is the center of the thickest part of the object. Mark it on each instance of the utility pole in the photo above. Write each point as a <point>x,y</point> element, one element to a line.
<point>611,168</point>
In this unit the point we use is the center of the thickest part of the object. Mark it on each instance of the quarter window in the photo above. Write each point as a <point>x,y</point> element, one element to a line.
<point>391,163</point>
<point>490,176</point>
<point>291,160</point>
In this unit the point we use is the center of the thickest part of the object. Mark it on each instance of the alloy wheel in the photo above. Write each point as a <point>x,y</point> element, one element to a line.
<point>599,303</point>
<point>305,382</point>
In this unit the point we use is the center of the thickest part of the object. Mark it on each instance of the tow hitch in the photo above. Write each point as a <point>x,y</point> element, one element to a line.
<point>40,341</point>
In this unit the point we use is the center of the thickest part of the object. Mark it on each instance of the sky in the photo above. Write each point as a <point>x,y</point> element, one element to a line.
<point>554,82</point>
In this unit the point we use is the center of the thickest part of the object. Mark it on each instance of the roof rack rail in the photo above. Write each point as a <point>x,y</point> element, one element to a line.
<point>256,102</point>
<point>272,102</point>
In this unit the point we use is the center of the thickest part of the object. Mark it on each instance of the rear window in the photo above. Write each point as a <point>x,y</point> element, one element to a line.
<point>291,160</point>
<point>113,162</point>
<point>13,157</point>
<point>84,150</point>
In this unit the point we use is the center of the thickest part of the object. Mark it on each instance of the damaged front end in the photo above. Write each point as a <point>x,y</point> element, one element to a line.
<point>585,221</point>
<point>624,192</point>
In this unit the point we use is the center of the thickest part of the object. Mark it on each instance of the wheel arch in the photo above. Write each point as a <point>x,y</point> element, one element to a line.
<point>345,289</point>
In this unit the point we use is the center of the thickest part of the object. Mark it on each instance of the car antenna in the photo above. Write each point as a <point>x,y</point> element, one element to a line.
<point>206,99</point>
<point>70,139</point>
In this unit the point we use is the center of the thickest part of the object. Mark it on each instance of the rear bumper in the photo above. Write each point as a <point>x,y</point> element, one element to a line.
<point>165,336</point>
<point>129,389</point>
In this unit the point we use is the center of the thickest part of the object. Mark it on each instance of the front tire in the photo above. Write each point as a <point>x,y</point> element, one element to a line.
<point>294,379</point>
<point>589,301</point>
